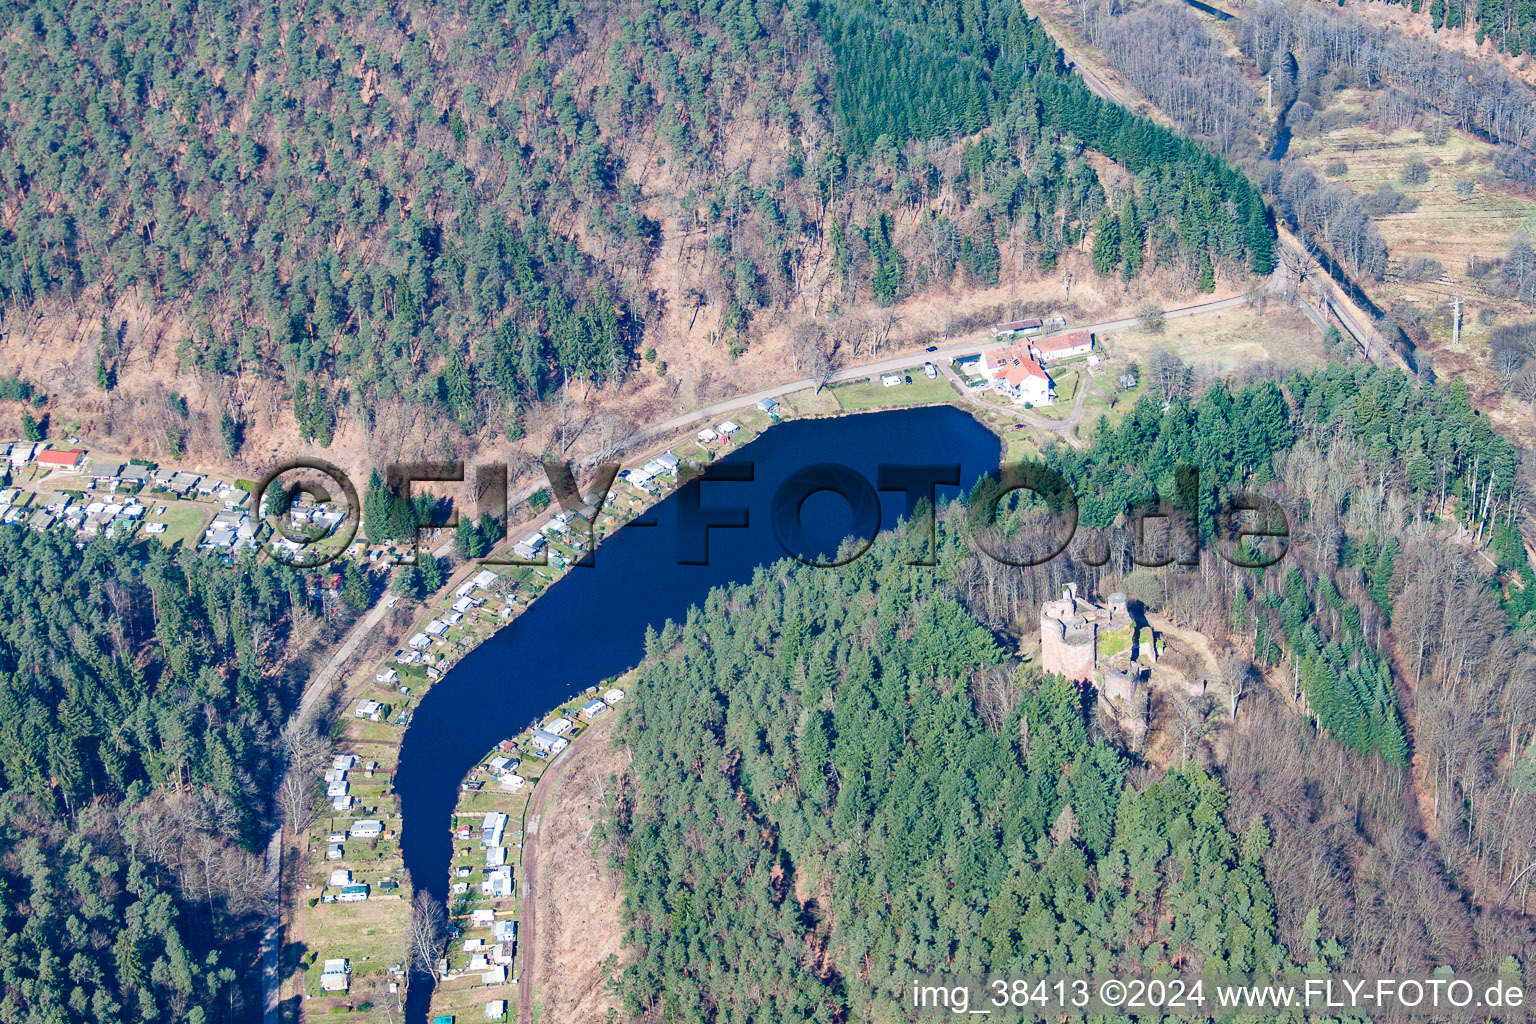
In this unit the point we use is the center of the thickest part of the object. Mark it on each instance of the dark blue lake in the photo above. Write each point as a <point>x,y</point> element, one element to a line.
<point>591,624</point>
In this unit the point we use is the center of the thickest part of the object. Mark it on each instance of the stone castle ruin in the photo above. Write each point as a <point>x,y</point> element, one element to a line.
<point>1090,643</point>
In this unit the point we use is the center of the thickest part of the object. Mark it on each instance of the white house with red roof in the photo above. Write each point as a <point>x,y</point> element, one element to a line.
<point>1061,346</point>
<point>1014,372</point>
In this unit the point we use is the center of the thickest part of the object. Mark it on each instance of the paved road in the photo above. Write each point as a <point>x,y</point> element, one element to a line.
<point>320,682</point>
<point>1365,334</point>
<point>912,358</point>
<point>322,679</point>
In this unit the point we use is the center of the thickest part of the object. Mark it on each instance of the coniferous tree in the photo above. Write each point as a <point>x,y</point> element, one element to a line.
<point>354,588</point>
<point>1106,243</point>
<point>1131,238</point>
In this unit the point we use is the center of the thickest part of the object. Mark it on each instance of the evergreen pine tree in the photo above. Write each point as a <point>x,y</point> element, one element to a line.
<point>277,499</point>
<point>354,587</point>
<point>1131,237</point>
<point>1259,238</point>
<point>231,433</point>
<point>467,541</point>
<point>106,377</point>
<point>1207,274</point>
<point>1106,243</point>
<point>378,509</point>
<point>433,573</point>
<point>1381,576</point>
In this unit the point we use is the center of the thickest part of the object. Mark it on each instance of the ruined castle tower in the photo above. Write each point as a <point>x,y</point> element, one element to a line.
<point>1069,631</point>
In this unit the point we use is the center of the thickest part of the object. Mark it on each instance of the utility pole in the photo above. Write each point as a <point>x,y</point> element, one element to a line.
<point>1269,91</point>
<point>1456,325</point>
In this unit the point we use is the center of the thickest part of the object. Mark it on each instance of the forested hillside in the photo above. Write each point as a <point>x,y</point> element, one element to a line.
<point>1296,57</point>
<point>1510,24</point>
<point>1437,462</point>
<point>460,205</point>
<point>845,771</point>
<point>139,716</point>
<point>838,783</point>
<point>1405,580</point>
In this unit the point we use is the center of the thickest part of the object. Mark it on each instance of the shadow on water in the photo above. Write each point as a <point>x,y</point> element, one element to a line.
<point>590,625</point>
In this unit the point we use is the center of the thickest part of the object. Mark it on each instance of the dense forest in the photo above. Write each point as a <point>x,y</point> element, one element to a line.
<point>459,205</point>
<point>139,718</point>
<point>1406,584</point>
<point>847,771</point>
<point>840,782</point>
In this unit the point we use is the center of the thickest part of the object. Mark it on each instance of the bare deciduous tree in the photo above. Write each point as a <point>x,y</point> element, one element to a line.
<point>305,750</point>
<point>1150,316</point>
<point>296,802</point>
<point>1235,673</point>
<point>1191,721</point>
<point>810,343</point>
<point>429,928</point>
<point>1168,375</point>
<point>997,693</point>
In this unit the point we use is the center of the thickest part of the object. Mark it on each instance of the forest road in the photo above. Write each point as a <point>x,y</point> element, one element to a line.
<point>320,682</point>
<point>547,786</point>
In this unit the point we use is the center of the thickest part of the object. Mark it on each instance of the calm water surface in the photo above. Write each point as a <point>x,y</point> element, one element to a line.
<point>590,625</point>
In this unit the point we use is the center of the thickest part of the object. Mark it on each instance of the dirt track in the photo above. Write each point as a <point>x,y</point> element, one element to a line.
<point>550,785</point>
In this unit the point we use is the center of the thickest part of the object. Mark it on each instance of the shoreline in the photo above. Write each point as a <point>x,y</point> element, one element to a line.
<point>497,600</point>
<point>486,923</point>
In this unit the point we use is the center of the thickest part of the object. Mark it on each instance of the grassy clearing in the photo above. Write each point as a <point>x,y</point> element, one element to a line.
<point>1021,446</point>
<point>372,935</point>
<point>810,402</point>
<point>1112,642</point>
<point>1113,407</point>
<point>1457,217</point>
<point>465,1001</point>
<point>1067,380</point>
<point>183,525</point>
<point>873,394</point>
<point>1221,341</point>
